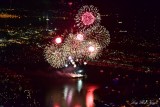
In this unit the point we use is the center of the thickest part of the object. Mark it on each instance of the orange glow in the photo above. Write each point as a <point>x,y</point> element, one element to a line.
<point>4,15</point>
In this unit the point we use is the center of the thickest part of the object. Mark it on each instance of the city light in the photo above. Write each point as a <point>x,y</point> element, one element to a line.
<point>5,16</point>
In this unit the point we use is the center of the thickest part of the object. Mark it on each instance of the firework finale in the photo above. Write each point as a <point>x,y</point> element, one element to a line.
<point>79,53</point>
<point>86,44</point>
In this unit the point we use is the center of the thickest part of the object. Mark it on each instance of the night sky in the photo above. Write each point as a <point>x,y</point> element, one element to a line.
<point>153,5</point>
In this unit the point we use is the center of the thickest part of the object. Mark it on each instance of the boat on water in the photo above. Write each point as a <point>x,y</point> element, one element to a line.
<point>70,75</point>
<point>71,72</point>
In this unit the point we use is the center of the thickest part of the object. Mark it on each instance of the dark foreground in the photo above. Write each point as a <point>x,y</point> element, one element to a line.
<point>106,87</point>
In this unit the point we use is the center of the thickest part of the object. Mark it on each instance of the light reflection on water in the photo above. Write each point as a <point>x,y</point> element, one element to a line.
<point>72,93</point>
<point>90,96</point>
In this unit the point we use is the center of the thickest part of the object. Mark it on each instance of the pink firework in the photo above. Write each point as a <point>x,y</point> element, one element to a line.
<point>87,17</point>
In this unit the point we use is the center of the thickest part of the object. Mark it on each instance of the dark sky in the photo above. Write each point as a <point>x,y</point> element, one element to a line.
<point>45,4</point>
<point>125,6</point>
<point>28,4</point>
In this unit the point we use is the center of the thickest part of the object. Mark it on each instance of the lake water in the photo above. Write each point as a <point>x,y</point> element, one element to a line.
<point>71,93</point>
<point>40,89</point>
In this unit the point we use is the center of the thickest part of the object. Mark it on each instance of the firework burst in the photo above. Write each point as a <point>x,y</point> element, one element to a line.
<point>99,35</point>
<point>86,44</point>
<point>73,46</point>
<point>92,50</point>
<point>55,56</point>
<point>87,17</point>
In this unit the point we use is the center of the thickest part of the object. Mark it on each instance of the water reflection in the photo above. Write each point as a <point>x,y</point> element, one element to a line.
<point>68,94</point>
<point>90,96</point>
<point>71,93</point>
<point>79,84</point>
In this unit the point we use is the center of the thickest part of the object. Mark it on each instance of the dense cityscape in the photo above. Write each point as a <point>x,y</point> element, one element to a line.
<point>128,67</point>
